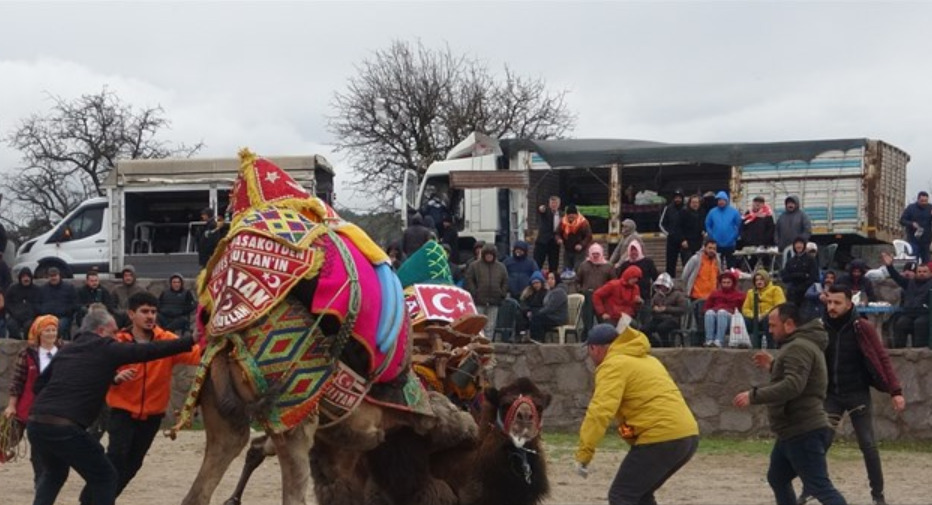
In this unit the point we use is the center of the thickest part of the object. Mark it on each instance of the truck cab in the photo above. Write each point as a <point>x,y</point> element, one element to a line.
<point>75,245</point>
<point>151,216</point>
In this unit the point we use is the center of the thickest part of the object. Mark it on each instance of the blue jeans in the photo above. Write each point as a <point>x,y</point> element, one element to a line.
<point>62,447</point>
<point>716,325</point>
<point>802,456</point>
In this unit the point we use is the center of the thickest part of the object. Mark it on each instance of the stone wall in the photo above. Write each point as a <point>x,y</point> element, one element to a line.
<point>709,379</point>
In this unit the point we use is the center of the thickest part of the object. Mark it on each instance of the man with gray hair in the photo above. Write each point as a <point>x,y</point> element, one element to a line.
<point>70,394</point>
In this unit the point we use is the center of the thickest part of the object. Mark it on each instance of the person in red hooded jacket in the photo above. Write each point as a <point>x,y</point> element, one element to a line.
<point>620,296</point>
<point>720,306</point>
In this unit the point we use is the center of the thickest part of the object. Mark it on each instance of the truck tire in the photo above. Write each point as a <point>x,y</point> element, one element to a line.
<point>42,271</point>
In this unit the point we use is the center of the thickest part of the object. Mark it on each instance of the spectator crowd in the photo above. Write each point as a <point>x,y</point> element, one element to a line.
<point>711,249</point>
<point>25,301</point>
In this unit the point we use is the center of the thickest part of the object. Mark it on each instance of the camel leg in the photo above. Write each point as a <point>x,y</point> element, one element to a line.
<point>400,471</point>
<point>338,475</point>
<point>226,437</point>
<point>293,447</point>
<point>259,449</point>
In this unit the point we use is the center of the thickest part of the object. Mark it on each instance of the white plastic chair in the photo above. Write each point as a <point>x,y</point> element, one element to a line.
<point>574,303</point>
<point>142,238</point>
<point>904,250</point>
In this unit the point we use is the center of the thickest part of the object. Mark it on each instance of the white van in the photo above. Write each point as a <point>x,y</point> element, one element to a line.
<point>78,243</point>
<point>150,217</point>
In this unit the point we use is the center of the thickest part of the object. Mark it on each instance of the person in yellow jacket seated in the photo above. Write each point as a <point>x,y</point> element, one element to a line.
<point>769,295</point>
<point>634,388</point>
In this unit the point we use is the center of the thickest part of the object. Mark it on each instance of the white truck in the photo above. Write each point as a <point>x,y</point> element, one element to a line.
<point>853,189</point>
<point>150,216</point>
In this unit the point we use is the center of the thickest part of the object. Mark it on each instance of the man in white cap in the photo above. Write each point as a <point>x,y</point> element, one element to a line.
<point>633,388</point>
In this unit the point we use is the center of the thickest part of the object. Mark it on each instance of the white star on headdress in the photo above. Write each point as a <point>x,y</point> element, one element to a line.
<point>271,177</point>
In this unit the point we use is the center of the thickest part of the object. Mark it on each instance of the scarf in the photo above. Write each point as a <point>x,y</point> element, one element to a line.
<point>571,228</point>
<point>750,216</point>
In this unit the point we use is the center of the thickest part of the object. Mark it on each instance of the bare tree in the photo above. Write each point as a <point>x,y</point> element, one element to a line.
<point>69,151</point>
<point>408,105</point>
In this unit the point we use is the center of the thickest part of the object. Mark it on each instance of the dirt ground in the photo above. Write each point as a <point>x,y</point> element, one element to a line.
<point>708,479</point>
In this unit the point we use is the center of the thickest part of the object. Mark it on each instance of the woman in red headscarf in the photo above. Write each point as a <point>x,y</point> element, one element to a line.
<point>42,346</point>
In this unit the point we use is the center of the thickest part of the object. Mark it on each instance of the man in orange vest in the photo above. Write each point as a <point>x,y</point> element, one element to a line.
<point>138,404</point>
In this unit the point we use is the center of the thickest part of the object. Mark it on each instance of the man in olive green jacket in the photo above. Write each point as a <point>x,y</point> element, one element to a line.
<point>794,400</point>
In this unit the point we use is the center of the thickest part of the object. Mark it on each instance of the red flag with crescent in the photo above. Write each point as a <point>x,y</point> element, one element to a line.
<point>437,302</point>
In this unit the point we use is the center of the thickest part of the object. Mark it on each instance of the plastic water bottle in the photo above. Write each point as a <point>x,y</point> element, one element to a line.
<point>763,341</point>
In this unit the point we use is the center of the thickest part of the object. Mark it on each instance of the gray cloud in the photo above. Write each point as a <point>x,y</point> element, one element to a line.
<point>263,73</point>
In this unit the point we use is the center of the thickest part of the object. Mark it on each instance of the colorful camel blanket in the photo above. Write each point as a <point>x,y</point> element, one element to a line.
<point>286,358</point>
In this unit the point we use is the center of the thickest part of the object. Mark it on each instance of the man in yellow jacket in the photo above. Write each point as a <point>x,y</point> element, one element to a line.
<point>633,388</point>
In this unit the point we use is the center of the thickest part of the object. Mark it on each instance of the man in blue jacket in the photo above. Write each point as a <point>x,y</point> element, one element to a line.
<point>520,267</point>
<point>723,224</point>
<point>917,221</point>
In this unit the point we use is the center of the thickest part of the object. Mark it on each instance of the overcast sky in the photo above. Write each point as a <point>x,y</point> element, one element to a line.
<point>262,74</point>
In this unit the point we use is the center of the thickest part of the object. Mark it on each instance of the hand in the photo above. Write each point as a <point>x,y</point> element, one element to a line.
<point>742,399</point>
<point>581,470</point>
<point>578,247</point>
<point>638,299</point>
<point>542,209</point>
<point>124,375</point>
<point>762,360</point>
<point>9,411</point>
<point>559,241</point>
<point>658,308</point>
<point>915,225</point>
<point>886,258</point>
<point>899,403</point>
<point>606,317</point>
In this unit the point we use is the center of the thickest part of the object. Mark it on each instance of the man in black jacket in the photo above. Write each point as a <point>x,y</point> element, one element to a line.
<point>547,247</point>
<point>914,317</point>
<point>176,304</point>
<point>856,361</point>
<point>59,299</point>
<point>92,292</point>
<point>917,223</point>
<point>70,394</point>
<point>22,302</point>
<point>671,223</point>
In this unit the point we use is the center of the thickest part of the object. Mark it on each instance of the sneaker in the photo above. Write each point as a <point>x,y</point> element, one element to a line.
<point>716,344</point>
<point>879,501</point>
<point>804,499</point>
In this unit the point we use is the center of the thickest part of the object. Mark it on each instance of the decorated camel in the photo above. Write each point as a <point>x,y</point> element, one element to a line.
<point>450,356</point>
<point>308,335</point>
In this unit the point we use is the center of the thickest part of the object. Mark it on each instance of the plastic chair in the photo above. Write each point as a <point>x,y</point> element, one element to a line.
<point>827,256</point>
<point>904,250</point>
<point>574,303</point>
<point>690,332</point>
<point>505,321</point>
<point>142,237</point>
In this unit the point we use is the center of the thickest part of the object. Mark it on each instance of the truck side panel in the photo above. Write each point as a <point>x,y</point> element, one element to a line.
<point>886,188</point>
<point>829,187</point>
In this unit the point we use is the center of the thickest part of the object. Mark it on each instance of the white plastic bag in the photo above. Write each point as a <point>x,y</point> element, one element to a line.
<point>739,332</point>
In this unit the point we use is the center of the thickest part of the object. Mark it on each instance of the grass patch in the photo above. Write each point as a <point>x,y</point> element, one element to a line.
<point>563,444</point>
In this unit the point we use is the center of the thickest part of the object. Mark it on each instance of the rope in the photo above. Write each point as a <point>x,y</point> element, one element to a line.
<point>12,445</point>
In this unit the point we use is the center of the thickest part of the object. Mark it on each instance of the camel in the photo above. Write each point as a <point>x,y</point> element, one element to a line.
<point>458,374</point>
<point>307,335</point>
<point>505,465</point>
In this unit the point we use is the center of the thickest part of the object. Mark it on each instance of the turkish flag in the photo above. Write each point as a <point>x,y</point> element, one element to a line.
<point>442,302</point>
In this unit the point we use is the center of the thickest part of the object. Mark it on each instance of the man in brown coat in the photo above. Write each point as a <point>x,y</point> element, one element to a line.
<point>487,282</point>
<point>575,235</point>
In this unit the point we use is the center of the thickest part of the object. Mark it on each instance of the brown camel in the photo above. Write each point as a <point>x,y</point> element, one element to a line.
<point>228,405</point>
<point>504,466</point>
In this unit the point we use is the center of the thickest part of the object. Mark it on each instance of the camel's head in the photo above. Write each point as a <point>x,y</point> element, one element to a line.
<point>518,409</point>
